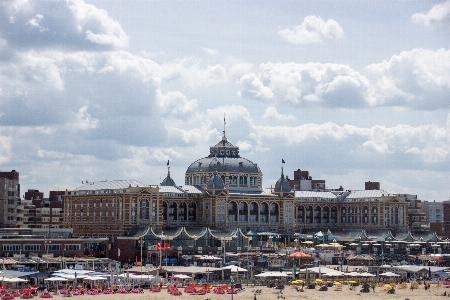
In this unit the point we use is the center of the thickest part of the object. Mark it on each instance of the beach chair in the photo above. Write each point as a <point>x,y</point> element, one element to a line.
<point>338,287</point>
<point>387,288</point>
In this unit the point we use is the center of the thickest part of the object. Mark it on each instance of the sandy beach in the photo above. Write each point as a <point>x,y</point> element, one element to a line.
<point>288,293</point>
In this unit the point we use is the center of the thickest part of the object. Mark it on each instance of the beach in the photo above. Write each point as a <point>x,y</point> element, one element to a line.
<point>288,292</point>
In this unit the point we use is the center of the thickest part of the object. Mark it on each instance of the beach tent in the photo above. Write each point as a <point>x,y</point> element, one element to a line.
<point>56,279</point>
<point>16,279</point>
<point>317,270</point>
<point>272,274</point>
<point>94,278</point>
<point>181,276</point>
<point>334,273</point>
<point>209,257</point>
<point>234,269</point>
<point>389,274</point>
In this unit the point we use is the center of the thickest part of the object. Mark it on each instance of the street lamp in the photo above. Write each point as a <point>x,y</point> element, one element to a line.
<point>223,246</point>
<point>160,250</point>
<point>47,246</point>
<point>141,242</point>
<point>248,262</point>
<point>434,252</point>
<point>232,287</point>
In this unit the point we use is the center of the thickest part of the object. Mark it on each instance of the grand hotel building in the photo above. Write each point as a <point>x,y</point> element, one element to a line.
<point>224,190</point>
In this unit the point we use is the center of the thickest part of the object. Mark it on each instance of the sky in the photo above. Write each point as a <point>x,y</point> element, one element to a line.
<point>351,91</point>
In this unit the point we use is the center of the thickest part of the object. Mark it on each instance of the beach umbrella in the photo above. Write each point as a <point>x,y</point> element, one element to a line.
<point>300,254</point>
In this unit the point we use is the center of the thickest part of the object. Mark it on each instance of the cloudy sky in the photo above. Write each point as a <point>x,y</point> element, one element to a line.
<point>351,91</point>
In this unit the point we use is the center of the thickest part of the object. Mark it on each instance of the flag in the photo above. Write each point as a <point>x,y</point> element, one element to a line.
<point>282,161</point>
<point>167,162</point>
<point>224,122</point>
<point>158,246</point>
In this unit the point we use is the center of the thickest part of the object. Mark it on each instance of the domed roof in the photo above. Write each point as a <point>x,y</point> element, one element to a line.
<point>215,182</point>
<point>282,184</point>
<point>223,164</point>
<point>223,157</point>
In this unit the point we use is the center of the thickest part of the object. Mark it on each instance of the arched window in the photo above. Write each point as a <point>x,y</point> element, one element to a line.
<point>144,209</point>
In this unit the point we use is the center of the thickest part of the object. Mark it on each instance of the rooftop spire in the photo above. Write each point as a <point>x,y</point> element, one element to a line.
<point>168,181</point>
<point>224,123</point>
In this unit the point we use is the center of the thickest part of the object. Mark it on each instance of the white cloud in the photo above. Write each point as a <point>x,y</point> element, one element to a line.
<point>419,79</point>
<point>308,84</point>
<point>31,71</point>
<point>84,120</point>
<point>438,13</point>
<point>176,105</point>
<point>429,143</point>
<point>271,113</point>
<point>194,73</point>
<point>210,51</point>
<point>313,30</point>
<point>5,148</point>
<point>97,25</point>
<point>35,22</point>
<point>60,24</point>
<point>253,87</point>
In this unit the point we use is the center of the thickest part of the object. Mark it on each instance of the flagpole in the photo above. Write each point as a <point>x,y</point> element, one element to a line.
<point>224,123</point>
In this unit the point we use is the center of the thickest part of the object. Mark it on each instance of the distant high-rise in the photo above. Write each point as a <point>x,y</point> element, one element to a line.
<point>9,198</point>
<point>303,182</point>
<point>369,185</point>
<point>56,196</point>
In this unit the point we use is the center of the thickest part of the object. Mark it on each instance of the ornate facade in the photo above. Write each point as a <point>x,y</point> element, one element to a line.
<point>224,190</point>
